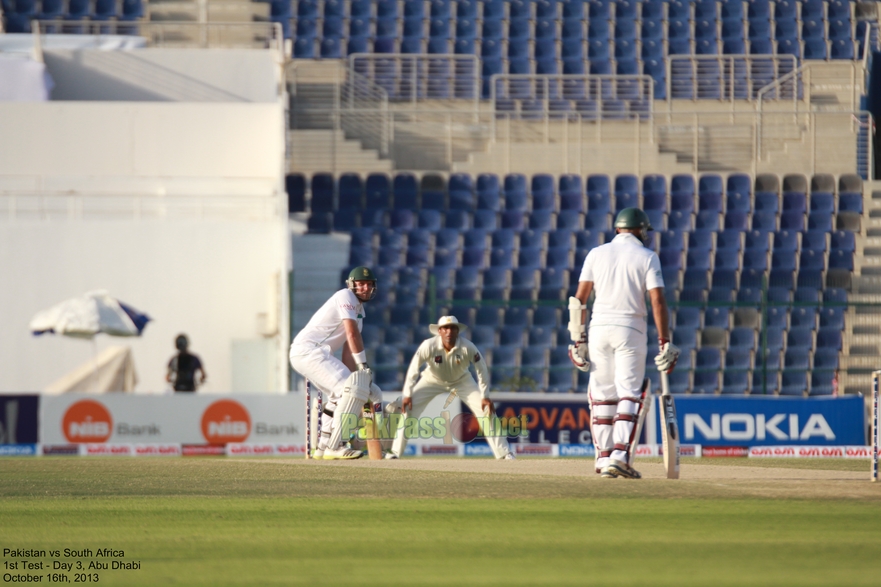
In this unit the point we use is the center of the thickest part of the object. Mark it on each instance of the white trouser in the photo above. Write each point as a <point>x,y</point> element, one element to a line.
<point>328,375</point>
<point>427,389</point>
<point>617,369</point>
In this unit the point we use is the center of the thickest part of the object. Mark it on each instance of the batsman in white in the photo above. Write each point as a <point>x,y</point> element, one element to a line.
<point>348,383</point>
<point>620,272</point>
<point>448,357</point>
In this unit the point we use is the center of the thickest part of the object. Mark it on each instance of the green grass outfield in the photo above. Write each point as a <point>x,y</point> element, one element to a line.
<point>203,521</point>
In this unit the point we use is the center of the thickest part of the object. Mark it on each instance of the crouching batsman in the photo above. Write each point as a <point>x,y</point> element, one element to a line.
<point>620,273</point>
<point>347,384</point>
<point>447,357</point>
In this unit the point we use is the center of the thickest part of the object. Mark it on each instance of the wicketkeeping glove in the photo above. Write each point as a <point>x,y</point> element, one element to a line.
<point>578,354</point>
<point>667,357</point>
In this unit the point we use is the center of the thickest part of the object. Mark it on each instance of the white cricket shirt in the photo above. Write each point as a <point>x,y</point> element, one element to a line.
<point>448,368</point>
<point>325,328</point>
<point>622,271</point>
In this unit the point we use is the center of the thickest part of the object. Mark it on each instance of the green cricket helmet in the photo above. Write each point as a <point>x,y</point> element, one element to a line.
<point>361,274</point>
<point>635,218</point>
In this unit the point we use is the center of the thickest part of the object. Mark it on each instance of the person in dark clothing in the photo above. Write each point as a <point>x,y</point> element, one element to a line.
<point>183,366</point>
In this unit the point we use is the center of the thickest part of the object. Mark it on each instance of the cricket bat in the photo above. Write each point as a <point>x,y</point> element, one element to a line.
<point>374,447</point>
<point>669,430</point>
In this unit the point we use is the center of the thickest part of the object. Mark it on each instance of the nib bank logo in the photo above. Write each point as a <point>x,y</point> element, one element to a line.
<point>87,421</point>
<point>226,421</point>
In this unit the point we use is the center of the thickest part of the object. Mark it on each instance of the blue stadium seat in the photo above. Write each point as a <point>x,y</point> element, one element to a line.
<point>405,191</point>
<point>825,359</point>
<point>488,193</point>
<point>838,9</point>
<point>822,202</point>
<point>561,375</point>
<point>835,295</point>
<point>815,240</point>
<point>598,191</point>
<point>440,9</point>
<point>793,383</point>
<point>626,192</point>
<point>705,29</point>
<point>792,221</point>
<point>803,317</point>
<point>377,191</point>
<point>842,49</point>
<point>654,193</point>
<point>496,283</point>
<point>553,284</point>
<point>815,49</point>
<point>571,196</point>
<point>789,47</point>
<point>742,337</point>
<point>543,193</point>
<point>829,338</point>
<point>717,317</point>
<point>840,259</point>
<point>850,202</point>
<point>708,364</point>
<point>679,10</point>
<point>844,240</point>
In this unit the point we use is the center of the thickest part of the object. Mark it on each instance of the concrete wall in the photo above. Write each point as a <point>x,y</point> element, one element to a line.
<point>210,279</point>
<point>69,145</point>
<point>168,192</point>
<point>176,75</point>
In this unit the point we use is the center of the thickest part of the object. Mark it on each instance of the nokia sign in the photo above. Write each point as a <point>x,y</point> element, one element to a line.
<point>757,421</point>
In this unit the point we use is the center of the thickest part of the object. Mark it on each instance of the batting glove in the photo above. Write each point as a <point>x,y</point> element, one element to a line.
<point>375,394</point>
<point>578,354</point>
<point>667,357</point>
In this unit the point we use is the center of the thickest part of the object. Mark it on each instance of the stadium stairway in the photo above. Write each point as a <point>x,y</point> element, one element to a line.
<point>861,350</point>
<point>213,11</point>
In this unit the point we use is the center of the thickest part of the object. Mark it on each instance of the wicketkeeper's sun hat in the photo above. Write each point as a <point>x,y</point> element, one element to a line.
<point>446,321</point>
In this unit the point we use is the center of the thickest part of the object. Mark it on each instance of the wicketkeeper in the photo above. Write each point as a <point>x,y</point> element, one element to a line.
<point>620,272</point>
<point>448,356</point>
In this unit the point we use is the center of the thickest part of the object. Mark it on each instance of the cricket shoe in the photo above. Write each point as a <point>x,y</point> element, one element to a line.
<point>342,453</point>
<point>509,457</point>
<point>620,469</point>
<point>390,456</point>
<point>318,453</point>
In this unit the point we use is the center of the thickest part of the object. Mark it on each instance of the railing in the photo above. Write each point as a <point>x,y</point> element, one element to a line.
<point>595,96</point>
<point>363,112</point>
<point>727,77</point>
<point>408,78</point>
<point>263,35</point>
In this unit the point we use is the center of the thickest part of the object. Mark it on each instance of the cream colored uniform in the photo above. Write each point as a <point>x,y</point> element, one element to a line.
<point>447,372</point>
<point>622,271</point>
<point>312,352</point>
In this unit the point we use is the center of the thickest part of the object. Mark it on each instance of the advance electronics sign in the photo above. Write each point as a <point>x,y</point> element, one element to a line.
<point>771,421</point>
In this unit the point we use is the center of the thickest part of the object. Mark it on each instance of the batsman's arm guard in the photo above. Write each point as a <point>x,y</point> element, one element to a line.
<point>578,353</point>
<point>576,319</point>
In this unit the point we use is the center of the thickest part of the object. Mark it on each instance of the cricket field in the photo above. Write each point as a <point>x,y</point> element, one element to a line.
<point>443,521</point>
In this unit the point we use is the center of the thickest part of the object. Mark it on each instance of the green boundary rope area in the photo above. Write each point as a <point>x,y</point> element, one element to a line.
<point>280,522</point>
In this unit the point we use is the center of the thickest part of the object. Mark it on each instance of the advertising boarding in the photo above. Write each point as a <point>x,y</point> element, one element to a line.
<point>19,424</point>
<point>771,421</point>
<point>188,419</point>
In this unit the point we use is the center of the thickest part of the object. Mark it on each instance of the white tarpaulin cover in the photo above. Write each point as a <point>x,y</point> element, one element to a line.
<point>85,317</point>
<point>112,370</point>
